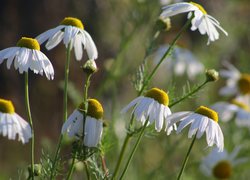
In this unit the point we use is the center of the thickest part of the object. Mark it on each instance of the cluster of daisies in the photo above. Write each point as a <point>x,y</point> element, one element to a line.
<point>27,56</point>
<point>152,108</point>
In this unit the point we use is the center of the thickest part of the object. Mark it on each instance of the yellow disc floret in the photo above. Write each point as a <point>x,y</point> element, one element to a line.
<point>6,106</point>
<point>240,104</point>
<point>244,84</point>
<point>222,170</point>
<point>205,111</point>
<point>70,21</point>
<point>158,95</point>
<point>95,109</point>
<point>28,43</point>
<point>200,7</point>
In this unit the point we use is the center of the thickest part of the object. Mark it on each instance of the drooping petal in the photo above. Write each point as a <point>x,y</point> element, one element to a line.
<point>48,34</point>
<point>90,46</point>
<point>177,8</point>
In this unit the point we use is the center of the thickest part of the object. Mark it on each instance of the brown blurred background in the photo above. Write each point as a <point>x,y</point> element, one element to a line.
<point>121,31</point>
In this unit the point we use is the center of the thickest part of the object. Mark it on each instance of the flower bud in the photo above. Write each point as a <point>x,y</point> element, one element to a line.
<point>90,67</point>
<point>212,75</point>
<point>163,24</point>
<point>37,170</point>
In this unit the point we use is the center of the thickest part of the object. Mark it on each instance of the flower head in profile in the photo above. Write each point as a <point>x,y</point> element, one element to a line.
<point>221,164</point>
<point>71,31</point>
<point>181,61</point>
<point>203,120</point>
<point>236,108</point>
<point>152,106</point>
<point>11,124</point>
<point>93,123</point>
<point>27,55</point>
<point>237,83</point>
<point>205,23</point>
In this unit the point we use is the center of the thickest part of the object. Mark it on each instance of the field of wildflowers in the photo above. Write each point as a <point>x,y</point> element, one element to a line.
<point>124,90</point>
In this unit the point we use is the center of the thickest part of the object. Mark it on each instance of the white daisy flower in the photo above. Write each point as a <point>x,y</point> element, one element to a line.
<point>234,109</point>
<point>154,107</point>
<point>11,124</point>
<point>93,124</point>
<point>202,120</point>
<point>181,61</point>
<point>236,83</point>
<point>220,164</point>
<point>205,23</point>
<point>72,32</point>
<point>27,55</point>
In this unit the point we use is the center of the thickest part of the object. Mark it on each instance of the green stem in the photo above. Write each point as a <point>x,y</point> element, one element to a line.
<point>65,104</point>
<point>87,170</point>
<point>186,158</point>
<point>188,94</point>
<point>72,167</point>
<point>166,54</point>
<point>85,100</point>
<point>134,149</point>
<point>122,153</point>
<point>84,110</point>
<point>27,105</point>
<point>66,80</point>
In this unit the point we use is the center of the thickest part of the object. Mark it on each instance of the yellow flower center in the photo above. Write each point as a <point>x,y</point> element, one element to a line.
<point>95,109</point>
<point>222,170</point>
<point>158,95</point>
<point>244,84</point>
<point>240,104</point>
<point>205,111</point>
<point>200,7</point>
<point>6,106</point>
<point>70,21</point>
<point>28,43</point>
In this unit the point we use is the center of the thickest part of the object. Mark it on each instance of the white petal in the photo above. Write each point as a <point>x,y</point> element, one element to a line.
<point>177,8</point>
<point>54,40</point>
<point>131,104</point>
<point>69,34</point>
<point>48,34</point>
<point>78,47</point>
<point>90,46</point>
<point>93,131</point>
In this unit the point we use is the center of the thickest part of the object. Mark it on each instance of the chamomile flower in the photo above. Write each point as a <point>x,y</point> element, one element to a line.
<point>205,23</point>
<point>202,120</point>
<point>233,109</point>
<point>181,61</point>
<point>93,124</point>
<point>237,83</point>
<point>221,164</point>
<point>27,55</point>
<point>11,124</point>
<point>72,32</point>
<point>152,106</point>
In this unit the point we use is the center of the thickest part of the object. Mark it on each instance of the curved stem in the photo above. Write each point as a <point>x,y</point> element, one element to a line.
<point>186,158</point>
<point>65,104</point>
<point>134,149</point>
<point>27,105</point>
<point>166,54</point>
<point>188,94</point>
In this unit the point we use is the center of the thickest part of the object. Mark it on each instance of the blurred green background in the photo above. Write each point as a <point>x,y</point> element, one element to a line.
<point>121,30</point>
